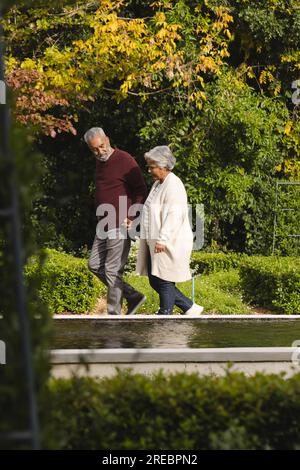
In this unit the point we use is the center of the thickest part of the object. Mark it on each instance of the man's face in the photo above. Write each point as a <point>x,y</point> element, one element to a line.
<point>99,146</point>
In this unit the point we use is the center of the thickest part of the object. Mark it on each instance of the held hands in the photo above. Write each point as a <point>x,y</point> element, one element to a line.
<point>159,248</point>
<point>127,223</point>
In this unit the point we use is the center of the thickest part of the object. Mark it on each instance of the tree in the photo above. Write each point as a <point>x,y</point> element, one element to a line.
<point>210,78</point>
<point>174,49</point>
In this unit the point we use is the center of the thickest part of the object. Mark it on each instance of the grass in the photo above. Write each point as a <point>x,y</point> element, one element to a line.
<point>218,292</point>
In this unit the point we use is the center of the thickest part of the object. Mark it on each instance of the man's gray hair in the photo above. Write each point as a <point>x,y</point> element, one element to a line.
<point>162,155</point>
<point>93,132</point>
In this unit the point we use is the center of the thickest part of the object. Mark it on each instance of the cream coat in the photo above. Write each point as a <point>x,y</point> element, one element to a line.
<point>168,224</point>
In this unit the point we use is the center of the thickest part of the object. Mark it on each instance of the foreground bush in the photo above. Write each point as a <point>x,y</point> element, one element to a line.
<point>67,284</point>
<point>182,411</point>
<point>14,377</point>
<point>272,282</point>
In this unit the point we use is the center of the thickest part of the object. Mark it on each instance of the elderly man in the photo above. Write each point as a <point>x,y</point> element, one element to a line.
<point>118,178</point>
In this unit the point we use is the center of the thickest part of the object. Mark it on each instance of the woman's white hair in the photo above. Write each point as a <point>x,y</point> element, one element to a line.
<point>162,155</point>
<point>94,132</point>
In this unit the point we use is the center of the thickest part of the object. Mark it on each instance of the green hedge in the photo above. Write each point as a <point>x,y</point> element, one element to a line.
<point>180,411</point>
<point>67,284</point>
<point>272,282</point>
<point>205,263</point>
<point>201,262</point>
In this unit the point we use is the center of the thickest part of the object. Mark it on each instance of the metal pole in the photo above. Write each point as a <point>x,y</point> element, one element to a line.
<point>193,288</point>
<point>17,248</point>
<point>275,219</point>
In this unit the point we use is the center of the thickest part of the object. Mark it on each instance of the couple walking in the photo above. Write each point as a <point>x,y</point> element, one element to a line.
<point>166,237</point>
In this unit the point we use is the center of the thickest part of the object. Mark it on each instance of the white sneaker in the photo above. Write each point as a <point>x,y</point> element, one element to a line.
<point>195,310</point>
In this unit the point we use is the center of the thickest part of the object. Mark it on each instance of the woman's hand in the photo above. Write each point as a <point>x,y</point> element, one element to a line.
<point>159,248</point>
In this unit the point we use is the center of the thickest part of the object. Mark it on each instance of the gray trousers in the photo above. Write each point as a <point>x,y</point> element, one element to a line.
<point>107,262</point>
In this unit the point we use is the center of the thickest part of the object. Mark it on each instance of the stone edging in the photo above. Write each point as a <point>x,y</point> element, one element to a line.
<point>202,355</point>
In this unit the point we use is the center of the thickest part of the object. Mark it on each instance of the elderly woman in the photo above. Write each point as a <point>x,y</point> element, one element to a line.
<point>166,235</point>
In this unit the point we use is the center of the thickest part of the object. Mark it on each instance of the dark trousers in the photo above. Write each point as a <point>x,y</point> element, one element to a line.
<point>107,261</point>
<point>169,294</point>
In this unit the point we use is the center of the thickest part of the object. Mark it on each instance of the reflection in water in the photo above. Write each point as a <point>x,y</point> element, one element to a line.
<point>106,334</point>
<point>171,334</point>
<point>100,334</point>
<point>252,333</point>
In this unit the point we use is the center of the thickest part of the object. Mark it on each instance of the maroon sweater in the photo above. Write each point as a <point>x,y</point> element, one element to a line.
<point>120,175</point>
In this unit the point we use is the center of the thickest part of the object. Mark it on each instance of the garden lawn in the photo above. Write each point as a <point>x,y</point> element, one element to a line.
<point>218,292</point>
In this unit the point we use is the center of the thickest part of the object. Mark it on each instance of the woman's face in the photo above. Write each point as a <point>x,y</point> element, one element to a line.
<point>155,171</point>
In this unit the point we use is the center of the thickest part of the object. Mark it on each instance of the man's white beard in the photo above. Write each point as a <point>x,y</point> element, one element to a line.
<point>102,158</point>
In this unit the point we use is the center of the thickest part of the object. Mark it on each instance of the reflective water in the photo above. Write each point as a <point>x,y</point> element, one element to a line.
<point>104,334</point>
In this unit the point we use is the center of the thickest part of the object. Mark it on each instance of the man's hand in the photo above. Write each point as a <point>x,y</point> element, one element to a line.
<point>127,223</point>
<point>159,248</point>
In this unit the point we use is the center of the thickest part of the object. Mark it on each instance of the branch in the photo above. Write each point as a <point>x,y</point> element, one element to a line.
<point>74,12</point>
<point>140,93</point>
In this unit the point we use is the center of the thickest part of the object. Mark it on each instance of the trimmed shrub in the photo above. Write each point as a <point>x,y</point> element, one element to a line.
<point>272,282</point>
<point>205,263</point>
<point>180,411</point>
<point>67,284</point>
